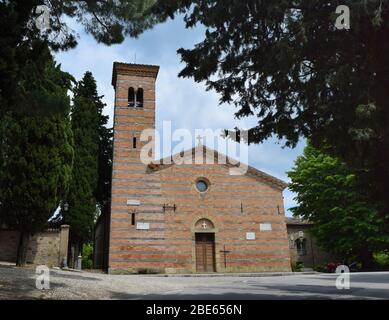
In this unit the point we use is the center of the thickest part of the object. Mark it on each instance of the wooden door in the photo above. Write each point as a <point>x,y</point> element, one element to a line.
<point>205,252</point>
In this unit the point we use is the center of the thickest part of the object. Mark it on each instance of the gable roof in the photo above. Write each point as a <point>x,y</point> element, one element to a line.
<point>251,171</point>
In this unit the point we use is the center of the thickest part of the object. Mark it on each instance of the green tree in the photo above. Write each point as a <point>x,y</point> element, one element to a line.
<point>24,52</point>
<point>103,190</point>
<point>328,194</point>
<point>36,155</point>
<point>88,127</point>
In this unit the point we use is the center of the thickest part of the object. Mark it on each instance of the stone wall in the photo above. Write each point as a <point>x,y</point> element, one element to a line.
<point>314,255</point>
<point>44,248</point>
<point>8,245</point>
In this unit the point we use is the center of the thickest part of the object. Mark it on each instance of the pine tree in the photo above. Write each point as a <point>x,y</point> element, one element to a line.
<point>87,125</point>
<point>36,154</point>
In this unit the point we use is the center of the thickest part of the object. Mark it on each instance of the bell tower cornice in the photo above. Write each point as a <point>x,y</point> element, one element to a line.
<point>132,69</point>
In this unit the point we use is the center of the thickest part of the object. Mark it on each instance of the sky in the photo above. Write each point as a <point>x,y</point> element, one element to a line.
<point>184,102</point>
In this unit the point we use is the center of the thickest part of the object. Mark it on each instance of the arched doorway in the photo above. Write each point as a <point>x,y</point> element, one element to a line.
<point>205,246</point>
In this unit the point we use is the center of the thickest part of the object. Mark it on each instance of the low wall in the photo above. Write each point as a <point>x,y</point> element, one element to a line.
<point>44,248</point>
<point>8,245</point>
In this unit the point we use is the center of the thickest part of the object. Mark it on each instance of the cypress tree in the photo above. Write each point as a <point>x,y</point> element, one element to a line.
<point>103,191</point>
<point>87,121</point>
<point>36,153</point>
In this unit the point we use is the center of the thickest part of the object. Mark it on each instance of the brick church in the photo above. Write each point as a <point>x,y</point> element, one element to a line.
<point>183,218</point>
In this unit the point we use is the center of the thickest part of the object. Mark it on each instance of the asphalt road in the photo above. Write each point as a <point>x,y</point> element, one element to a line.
<point>17,283</point>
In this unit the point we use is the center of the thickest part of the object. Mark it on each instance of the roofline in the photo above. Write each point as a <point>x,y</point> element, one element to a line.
<point>159,165</point>
<point>143,70</point>
<point>297,222</point>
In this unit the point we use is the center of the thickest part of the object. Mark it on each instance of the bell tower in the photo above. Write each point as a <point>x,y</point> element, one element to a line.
<point>134,191</point>
<point>134,86</point>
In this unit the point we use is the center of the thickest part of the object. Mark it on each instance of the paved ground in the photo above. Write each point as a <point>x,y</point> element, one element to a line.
<point>17,283</point>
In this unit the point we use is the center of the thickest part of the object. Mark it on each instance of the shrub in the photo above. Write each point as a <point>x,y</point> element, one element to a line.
<point>381,259</point>
<point>298,266</point>
<point>87,256</point>
<point>320,268</point>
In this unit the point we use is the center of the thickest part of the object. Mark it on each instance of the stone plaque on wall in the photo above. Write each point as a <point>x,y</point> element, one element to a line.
<point>265,227</point>
<point>133,202</point>
<point>250,235</point>
<point>143,226</point>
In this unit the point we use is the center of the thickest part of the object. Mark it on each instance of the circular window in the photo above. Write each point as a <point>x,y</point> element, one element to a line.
<point>202,185</point>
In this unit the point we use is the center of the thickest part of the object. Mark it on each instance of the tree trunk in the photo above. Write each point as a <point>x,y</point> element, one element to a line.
<point>22,249</point>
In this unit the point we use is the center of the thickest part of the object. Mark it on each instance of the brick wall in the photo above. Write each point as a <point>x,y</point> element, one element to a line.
<point>235,205</point>
<point>44,248</point>
<point>129,176</point>
<point>168,244</point>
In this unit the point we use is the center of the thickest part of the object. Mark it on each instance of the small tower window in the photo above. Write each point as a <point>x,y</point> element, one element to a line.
<point>139,98</point>
<point>133,219</point>
<point>131,97</point>
<point>134,142</point>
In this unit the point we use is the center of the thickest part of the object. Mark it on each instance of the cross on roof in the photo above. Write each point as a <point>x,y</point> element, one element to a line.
<point>199,139</point>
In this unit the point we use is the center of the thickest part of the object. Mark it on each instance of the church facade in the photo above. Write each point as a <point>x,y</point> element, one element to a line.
<point>184,218</point>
